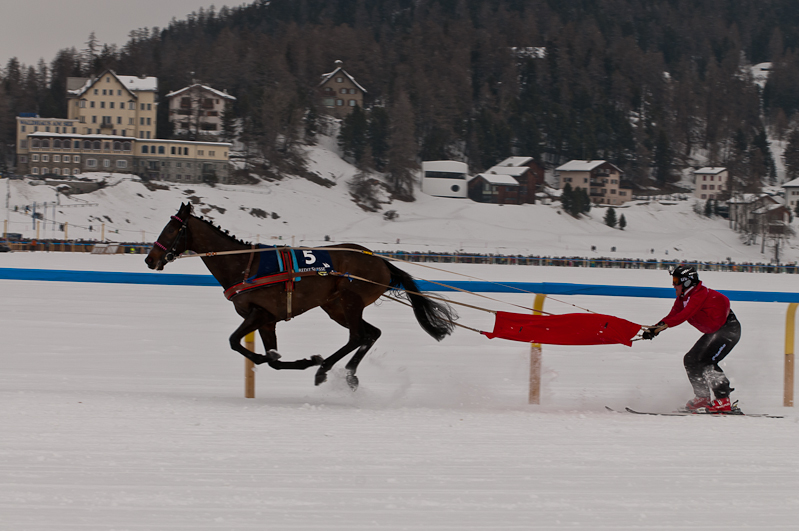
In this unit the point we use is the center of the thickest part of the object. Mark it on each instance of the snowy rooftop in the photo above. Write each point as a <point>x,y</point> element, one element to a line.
<point>795,182</point>
<point>509,170</point>
<point>515,161</point>
<point>132,83</point>
<point>220,93</point>
<point>328,76</point>
<point>494,178</point>
<point>580,165</point>
<point>710,170</point>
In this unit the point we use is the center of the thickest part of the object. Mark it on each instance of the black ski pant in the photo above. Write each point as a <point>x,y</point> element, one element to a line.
<point>702,361</point>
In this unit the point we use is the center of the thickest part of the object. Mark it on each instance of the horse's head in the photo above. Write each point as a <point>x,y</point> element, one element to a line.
<point>171,243</point>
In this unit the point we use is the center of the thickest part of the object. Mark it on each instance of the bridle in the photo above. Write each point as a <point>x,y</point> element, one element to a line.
<point>172,252</point>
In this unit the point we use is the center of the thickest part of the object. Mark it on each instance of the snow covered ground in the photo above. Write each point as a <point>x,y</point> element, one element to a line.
<point>122,408</point>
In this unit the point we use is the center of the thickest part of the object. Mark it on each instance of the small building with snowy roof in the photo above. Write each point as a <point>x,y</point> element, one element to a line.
<point>494,188</point>
<point>791,194</point>
<point>531,176</point>
<point>197,111</point>
<point>445,178</point>
<point>600,178</point>
<point>712,182</point>
<point>339,93</point>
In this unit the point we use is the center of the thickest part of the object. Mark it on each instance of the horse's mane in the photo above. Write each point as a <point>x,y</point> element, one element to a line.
<point>221,231</point>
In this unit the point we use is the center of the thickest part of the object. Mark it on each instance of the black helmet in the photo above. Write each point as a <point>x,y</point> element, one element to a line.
<point>685,276</point>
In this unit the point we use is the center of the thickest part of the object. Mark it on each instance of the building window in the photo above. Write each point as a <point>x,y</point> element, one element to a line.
<point>161,150</point>
<point>35,171</point>
<point>45,158</point>
<point>343,91</point>
<point>339,80</point>
<point>122,164</point>
<point>91,163</point>
<point>56,171</point>
<point>91,104</point>
<point>339,103</point>
<point>66,158</point>
<point>212,153</point>
<point>75,171</point>
<point>353,103</point>
<point>57,158</point>
<point>144,149</point>
<point>200,152</point>
<point>45,171</point>
<point>172,150</point>
<point>23,159</point>
<point>76,159</point>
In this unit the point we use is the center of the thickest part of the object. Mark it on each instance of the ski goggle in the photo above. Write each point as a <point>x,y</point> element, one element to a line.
<point>676,281</point>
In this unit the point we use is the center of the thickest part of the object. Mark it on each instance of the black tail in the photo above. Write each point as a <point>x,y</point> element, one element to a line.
<point>437,318</point>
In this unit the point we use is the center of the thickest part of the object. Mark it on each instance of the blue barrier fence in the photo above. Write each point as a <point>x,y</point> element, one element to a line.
<point>548,288</point>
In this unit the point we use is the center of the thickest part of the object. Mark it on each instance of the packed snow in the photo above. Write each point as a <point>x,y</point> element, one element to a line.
<point>123,405</point>
<point>123,409</point>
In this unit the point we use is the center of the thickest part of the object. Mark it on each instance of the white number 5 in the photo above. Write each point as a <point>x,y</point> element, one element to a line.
<point>309,257</point>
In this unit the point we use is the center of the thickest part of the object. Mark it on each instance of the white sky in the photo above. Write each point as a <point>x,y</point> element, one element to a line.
<point>34,29</point>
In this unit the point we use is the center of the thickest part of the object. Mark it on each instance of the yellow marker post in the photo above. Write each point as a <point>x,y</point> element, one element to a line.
<point>534,396</point>
<point>249,367</point>
<point>790,325</point>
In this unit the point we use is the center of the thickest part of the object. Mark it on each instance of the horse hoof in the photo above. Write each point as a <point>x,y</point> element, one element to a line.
<point>321,377</point>
<point>352,381</point>
<point>317,359</point>
<point>273,355</point>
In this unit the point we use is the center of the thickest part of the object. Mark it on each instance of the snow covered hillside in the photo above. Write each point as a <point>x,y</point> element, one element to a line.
<point>295,210</point>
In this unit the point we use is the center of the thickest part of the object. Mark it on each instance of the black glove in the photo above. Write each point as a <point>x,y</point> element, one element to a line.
<point>653,331</point>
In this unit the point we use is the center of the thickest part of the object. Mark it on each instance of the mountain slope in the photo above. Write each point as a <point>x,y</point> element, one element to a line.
<point>295,210</point>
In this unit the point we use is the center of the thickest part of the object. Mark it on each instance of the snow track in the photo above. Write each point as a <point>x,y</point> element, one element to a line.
<point>122,409</point>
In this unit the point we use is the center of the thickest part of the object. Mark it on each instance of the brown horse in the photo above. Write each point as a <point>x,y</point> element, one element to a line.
<point>356,280</point>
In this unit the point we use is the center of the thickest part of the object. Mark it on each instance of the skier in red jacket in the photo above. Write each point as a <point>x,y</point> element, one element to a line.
<point>709,312</point>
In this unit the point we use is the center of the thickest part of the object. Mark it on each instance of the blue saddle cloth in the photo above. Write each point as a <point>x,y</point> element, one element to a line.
<point>272,262</point>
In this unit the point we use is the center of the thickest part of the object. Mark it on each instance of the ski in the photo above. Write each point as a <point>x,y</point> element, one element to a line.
<point>737,413</point>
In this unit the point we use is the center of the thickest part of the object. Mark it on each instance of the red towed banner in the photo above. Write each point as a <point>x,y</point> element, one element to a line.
<point>567,329</point>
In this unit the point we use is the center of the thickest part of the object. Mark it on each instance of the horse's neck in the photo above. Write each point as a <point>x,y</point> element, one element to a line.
<point>227,269</point>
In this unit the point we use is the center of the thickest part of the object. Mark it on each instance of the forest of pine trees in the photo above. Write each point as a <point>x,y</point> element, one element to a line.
<point>650,86</point>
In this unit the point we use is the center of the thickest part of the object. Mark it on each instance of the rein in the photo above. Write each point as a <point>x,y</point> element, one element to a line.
<point>371,253</point>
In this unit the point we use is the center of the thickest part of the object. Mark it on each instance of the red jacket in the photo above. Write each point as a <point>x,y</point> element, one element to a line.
<point>704,308</point>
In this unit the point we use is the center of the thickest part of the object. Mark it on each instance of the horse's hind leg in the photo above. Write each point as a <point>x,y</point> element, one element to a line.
<point>370,335</point>
<point>347,311</point>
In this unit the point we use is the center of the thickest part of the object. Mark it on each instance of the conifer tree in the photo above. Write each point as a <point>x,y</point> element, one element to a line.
<point>622,222</point>
<point>610,217</point>
<point>567,198</point>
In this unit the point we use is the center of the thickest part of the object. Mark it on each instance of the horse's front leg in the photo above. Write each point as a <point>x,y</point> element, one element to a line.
<point>269,338</point>
<point>254,320</point>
